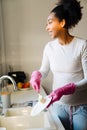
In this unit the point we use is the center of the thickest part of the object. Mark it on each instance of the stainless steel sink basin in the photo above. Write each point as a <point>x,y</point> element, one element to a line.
<point>20,119</point>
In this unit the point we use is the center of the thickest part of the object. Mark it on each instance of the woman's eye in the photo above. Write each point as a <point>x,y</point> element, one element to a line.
<point>49,22</point>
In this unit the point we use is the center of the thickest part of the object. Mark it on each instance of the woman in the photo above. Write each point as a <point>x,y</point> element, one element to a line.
<point>66,57</point>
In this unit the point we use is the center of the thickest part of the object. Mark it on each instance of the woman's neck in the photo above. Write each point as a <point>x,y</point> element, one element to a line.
<point>65,38</point>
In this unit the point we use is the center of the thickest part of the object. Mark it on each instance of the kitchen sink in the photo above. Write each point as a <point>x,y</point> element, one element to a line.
<point>20,119</point>
<point>18,111</point>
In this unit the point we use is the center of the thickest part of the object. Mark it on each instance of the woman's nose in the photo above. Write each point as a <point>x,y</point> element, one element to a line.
<point>47,28</point>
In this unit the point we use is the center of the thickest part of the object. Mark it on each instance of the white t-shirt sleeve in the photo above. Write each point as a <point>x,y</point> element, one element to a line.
<point>83,83</point>
<point>45,66</point>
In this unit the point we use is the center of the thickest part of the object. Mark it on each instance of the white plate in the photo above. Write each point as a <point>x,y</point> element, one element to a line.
<point>40,106</point>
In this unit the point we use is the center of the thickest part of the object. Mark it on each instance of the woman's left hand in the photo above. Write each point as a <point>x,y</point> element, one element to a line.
<point>58,93</point>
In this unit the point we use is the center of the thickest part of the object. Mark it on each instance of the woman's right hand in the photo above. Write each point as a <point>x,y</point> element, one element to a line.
<point>36,80</point>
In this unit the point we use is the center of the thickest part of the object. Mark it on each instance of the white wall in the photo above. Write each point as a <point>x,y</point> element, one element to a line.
<point>25,35</point>
<point>2,45</point>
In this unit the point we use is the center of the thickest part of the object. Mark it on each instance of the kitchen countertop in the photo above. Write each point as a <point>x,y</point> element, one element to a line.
<point>22,96</point>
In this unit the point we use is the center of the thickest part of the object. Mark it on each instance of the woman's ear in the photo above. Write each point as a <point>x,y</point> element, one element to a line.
<point>63,22</point>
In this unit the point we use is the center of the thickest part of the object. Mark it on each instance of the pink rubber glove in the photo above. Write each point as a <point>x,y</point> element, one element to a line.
<point>58,93</point>
<point>35,80</point>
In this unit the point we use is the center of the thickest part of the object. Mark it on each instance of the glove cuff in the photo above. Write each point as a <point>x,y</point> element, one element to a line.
<point>36,74</point>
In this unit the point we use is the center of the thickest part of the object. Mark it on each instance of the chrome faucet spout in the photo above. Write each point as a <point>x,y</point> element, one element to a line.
<point>10,78</point>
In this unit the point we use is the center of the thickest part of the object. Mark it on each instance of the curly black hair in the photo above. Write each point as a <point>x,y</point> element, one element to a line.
<point>70,10</point>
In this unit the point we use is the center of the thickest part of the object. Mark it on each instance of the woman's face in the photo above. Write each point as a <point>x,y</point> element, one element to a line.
<point>54,26</point>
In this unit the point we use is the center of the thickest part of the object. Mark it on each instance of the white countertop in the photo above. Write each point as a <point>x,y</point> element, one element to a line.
<point>21,96</point>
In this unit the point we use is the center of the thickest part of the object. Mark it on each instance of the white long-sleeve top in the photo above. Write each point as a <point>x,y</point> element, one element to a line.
<point>68,64</point>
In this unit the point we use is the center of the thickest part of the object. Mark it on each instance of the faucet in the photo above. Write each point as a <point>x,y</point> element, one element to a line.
<point>10,78</point>
<point>2,110</point>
